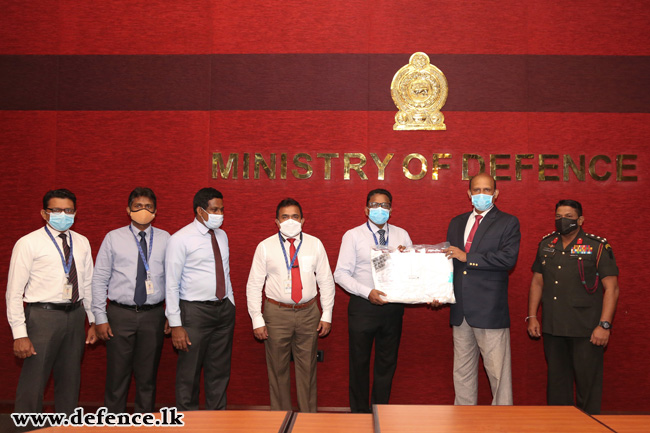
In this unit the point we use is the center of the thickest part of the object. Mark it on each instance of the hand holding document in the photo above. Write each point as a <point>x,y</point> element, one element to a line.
<point>415,275</point>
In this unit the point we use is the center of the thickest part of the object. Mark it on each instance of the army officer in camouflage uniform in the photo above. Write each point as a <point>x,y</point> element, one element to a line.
<point>576,279</point>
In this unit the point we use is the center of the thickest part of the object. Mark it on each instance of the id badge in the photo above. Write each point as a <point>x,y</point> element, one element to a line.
<point>287,286</point>
<point>149,285</point>
<point>67,291</point>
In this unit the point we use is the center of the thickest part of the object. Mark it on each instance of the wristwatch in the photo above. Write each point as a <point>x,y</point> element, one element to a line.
<point>605,325</point>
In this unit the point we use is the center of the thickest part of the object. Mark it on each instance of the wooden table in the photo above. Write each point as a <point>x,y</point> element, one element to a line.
<point>332,423</point>
<point>235,421</point>
<point>626,423</point>
<point>451,419</point>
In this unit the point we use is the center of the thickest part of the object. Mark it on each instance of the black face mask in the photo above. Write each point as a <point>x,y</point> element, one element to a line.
<point>565,225</point>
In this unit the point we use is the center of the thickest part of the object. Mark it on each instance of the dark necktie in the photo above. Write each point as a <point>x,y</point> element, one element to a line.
<point>72,276</point>
<point>472,232</point>
<point>140,296</point>
<point>296,282</point>
<point>382,239</point>
<point>218,267</point>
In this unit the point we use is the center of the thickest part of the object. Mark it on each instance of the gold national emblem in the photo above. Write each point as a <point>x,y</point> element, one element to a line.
<point>419,91</point>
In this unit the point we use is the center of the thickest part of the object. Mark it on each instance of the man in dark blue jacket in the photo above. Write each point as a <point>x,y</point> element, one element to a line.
<point>485,245</point>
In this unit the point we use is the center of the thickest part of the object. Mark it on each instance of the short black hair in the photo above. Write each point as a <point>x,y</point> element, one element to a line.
<point>203,196</point>
<point>491,177</point>
<point>59,193</point>
<point>380,191</point>
<point>287,202</point>
<point>143,192</point>
<point>571,203</point>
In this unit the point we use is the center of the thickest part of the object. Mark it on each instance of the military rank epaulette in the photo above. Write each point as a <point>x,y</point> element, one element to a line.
<point>550,234</point>
<point>596,238</point>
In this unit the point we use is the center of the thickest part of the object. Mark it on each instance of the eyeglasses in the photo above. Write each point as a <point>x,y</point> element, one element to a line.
<point>140,206</point>
<point>68,211</point>
<point>374,205</point>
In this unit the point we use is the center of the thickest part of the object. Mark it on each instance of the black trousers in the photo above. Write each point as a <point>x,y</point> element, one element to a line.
<point>210,329</point>
<point>368,324</point>
<point>572,359</point>
<point>134,350</point>
<point>58,338</point>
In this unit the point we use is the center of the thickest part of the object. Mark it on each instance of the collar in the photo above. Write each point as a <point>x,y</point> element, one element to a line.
<point>484,214</point>
<point>55,232</point>
<point>201,228</point>
<point>137,230</point>
<point>374,228</point>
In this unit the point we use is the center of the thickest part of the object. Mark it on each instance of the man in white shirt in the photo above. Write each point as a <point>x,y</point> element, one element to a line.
<point>370,318</point>
<point>290,264</point>
<point>200,305</point>
<point>51,271</point>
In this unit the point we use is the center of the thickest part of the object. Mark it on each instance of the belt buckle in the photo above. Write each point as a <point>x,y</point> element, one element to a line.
<point>136,308</point>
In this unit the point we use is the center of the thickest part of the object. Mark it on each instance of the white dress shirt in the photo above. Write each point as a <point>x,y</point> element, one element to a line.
<point>116,268</point>
<point>270,267</point>
<point>470,222</point>
<point>353,269</point>
<point>189,268</point>
<point>36,274</point>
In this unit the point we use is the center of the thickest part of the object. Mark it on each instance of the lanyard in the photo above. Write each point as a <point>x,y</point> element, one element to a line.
<point>375,237</point>
<point>144,259</point>
<point>66,266</point>
<point>295,256</point>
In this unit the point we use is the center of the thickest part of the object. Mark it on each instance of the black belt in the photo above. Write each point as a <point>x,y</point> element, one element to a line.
<point>211,303</point>
<point>56,306</point>
<point>135,308</point>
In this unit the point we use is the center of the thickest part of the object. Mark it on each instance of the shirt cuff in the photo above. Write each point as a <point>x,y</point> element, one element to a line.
<point>258,322</point>
<point>327,316</point>
<point>19,331</point>
<point>101,318</point>
<point>174,320</point>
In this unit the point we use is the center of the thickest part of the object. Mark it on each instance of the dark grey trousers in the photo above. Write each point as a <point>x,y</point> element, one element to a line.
<point>210,329</point>
<point>58,338</point>
<point>134,349</point>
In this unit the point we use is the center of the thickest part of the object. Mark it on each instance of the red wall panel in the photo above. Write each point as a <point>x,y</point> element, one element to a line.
<point>583,27</point>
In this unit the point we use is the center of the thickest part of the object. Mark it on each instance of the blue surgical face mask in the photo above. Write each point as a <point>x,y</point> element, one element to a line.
<point>379,216</point>
<point>61,221</point>
<point>214,221</point>
<point>482,202</point>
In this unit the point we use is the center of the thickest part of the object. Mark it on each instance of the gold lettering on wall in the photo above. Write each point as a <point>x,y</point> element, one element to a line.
<point>579,172</point>
<point>269,169</point>
<point>592,167</point>
<point>219,167</point>
<point>494,166</point>
<point>357,166</point>
<point>620,167</point>
<point>543,166</point>
<point>235,166</point>
<point>519,166</point>
<point>381,165</point>
<point>436,166</point>
<point>328,163</point>
<point>423,168</point>
<point>466,158</point>
<point>308,170</point>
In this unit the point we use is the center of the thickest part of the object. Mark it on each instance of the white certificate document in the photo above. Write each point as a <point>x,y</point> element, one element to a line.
<point>419,274</point>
